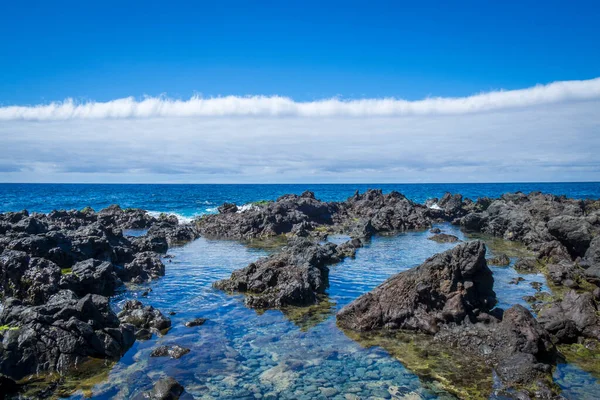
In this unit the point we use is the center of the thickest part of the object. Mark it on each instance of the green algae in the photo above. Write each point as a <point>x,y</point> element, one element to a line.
<point>81,378</point>
<point>464,375</point>
<point>512,249</point>
<point>4,328</point>
<point>66,271</point>
<point>261,203</point>
<point>586,355</point>
<point>308,317</point>
<point>269,243</point>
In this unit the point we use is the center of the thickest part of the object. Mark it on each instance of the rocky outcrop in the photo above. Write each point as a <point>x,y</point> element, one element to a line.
<point>387,213</point>
<point>59,334</point>
<point>450,297</point>
<point>448,287</point>
<point>295,276</point>
<point>55,269</point>
<point>361,215</point>
<point>268,218</point>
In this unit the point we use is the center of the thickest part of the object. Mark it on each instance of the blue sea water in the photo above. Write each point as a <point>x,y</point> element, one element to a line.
<point>243,354</point>
<point>191,200</point>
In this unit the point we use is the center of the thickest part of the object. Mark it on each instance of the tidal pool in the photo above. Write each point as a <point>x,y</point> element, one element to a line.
<point>300,354</point>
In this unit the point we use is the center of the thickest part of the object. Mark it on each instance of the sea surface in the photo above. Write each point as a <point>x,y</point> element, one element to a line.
<point>243,354</point>
<point>191,200</point>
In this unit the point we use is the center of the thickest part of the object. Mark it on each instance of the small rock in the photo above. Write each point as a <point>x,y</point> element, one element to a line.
<point>195,322</point>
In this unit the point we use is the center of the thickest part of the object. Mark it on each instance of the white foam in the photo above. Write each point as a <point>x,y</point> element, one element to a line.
<point>181,218</point>
<point>435,206</point>
<point>246,207</point>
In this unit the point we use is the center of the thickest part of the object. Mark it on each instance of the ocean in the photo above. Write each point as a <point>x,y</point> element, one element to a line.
<point>191,200</point>
<point>243,354</point>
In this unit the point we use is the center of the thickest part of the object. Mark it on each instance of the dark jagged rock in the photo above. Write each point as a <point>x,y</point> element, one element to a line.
<point>573,232</point>
<point>60,334</point>
<point>501,260</point>
<point>195,322</point>
<point>84,252</point>
<point>448,287</point>
<point>576,315</point>
<point>228,208</point>
<point>268,219</point>
<point>540,221</point>
<point>294,276</point>
<point>388,213</point>
<point>435,230</point>
<point>444,238</point>
<point>91,276</point>
<point>30,279</point>
<point>174,351</point>
<point>143,268</point>
<point>362,215</point>
<point>143,318</point>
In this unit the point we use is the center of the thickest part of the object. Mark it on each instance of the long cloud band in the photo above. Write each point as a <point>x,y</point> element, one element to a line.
<point>277,106</point>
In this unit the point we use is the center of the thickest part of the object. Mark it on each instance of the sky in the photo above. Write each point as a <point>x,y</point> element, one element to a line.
<point>299,91</point>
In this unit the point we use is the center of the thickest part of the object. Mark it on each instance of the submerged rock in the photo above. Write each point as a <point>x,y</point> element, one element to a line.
<point>501,260</point>
<point>195,322</point>
<point>444,238</point>
<point>174,351</point>
<point>448,287</point>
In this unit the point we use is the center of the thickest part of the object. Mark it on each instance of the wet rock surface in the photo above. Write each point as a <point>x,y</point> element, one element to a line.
<point>55,270</point>
<point>57,335</point>
<point>297,275</point>
<point>448,287</point>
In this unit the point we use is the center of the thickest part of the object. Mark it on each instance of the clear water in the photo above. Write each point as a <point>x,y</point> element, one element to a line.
<point>239,353</point>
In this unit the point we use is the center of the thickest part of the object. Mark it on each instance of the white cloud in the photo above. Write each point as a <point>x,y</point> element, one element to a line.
<point>557,142</point>
<point>261,106</point>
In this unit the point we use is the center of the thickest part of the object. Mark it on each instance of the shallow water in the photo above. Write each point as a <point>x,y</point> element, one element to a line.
<point>239,353</point>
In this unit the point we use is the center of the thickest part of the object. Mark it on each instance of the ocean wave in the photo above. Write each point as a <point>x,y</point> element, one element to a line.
<point>181,218</point>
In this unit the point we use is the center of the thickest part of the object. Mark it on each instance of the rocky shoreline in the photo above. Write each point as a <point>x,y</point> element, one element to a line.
<point>57,269</point>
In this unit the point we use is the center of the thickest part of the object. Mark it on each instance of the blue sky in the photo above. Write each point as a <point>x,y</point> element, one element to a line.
<point>302,49</point>
<point>299,91</point>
